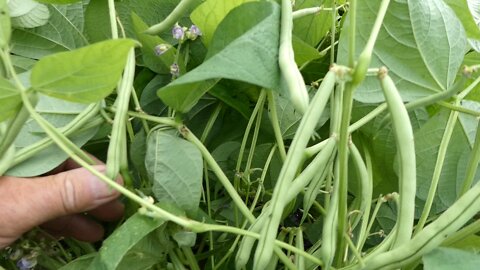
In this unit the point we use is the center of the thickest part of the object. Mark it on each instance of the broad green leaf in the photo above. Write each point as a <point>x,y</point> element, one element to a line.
<point>123,239</point>
<point>312,29</point>
<point>244,48</point>
<point>474,7</point>
<point>80,263</point>
<point>58,1</point>
<point>422,43</point>
<point>28,13</point>
<point>236,95</point>
<point>149,99</point>
<point>448,258</point>
<point>64,32</point>
<point>304,53</point>
<point>427,143</point>
<point>9,99</point>
<point>175,167</point>
<point>22,64</point>
<point>85,75</point>
<point>5,24</point>
<point>461,9</point>
<point>470,243</point>
<point>97,21</point>
<point>469,122</point>
<point>59,113</point>
<point>160,64</point>
<point>151,12</point>
<point>210,13</point>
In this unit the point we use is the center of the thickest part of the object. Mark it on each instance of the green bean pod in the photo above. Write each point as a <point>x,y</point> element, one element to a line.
<point>117,140</point>
<point>366,186</point>
<point>291,74</point>
<point>289,169</point>
<point>406,152</point>
<point>431,236</point>
<point>329,231</point>
<point>246,245</point>
<point>172,18</point>
<point>5,25</point>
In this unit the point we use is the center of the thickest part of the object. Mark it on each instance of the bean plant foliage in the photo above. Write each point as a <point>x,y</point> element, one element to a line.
<point>251,134</point>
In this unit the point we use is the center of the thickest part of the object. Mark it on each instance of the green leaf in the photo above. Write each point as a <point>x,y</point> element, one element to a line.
<point>97,21</point>
<point>149,100</point>
<point>5,24</point>
<point>63,32</point>
<point>9,99</point>
<point>28,13</point>
<point>420,42</point>
<point>118,245</point>
<point>312,29</point>
<point>176,169</point>
<point>22,64</point>
<point>461,9</point>
<point>58,1</point>
<point>427,143</point>
<point>469,122</point>
<point>448,258</point>
<point>80,263</point>
<point>236,95</point>
<point>244,48</point>
<point>59,113</point>
<point>304,53</point>
<point>85,75</point>
<point>210,13</point>
<point>160,64</point>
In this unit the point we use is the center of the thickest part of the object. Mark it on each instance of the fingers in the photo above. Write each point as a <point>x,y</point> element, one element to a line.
<point>27,203</point>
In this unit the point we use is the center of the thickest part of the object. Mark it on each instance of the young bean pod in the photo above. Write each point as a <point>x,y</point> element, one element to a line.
<point>117,140</point>
<point>406,152</point>
<point>172,18</point>
<point>431,236</point>
<point>289,169</point>
<point>292,76</point>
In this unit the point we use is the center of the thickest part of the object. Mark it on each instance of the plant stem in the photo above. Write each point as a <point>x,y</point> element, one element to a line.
<point>442,152</point>
<point>367,118</point>
<point>113,18</point>
<point>458,108</point>
<point>237,200</point>
<point>344,138</point>
<point>272,112</point>
<point>473,161</point>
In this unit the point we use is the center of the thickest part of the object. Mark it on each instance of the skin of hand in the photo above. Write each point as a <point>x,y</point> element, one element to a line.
<point>61,203</point>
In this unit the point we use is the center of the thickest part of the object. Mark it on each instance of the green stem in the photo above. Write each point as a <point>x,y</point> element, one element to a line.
<point>367,118</point>
<point>272,112</point>
<point>344,138</point>
<point>469,89</point>
<point>472,163</point>
<point>113,18</point>
<point>460,235</point>
<point>458,108</point>
<point>237,200</point>
<point>172,18</point>
<point>290,167</point>
<point>442,152</point>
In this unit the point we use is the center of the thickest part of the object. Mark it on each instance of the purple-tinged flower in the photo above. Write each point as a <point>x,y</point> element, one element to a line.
<point>161,49</point>
<point>193,32</point>
<point>175,70</point>
<point>26,263</point>
<point>178,32</point>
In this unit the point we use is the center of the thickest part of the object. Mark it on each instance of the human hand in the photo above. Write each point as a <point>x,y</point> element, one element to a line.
<point>57,202</point>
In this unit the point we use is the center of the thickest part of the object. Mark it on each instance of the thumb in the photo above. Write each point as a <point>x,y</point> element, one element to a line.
<point>27,203</point>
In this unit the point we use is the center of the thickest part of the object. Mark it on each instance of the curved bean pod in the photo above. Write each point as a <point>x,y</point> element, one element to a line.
<point>406,152</point>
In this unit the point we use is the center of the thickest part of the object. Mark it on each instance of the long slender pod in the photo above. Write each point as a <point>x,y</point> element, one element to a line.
<point>114,154</point>
<point>406,153</point>
<point>366,190</point>
<point>292,76</point>
<point>329,232</point>
<point>172,18</point>
<point>472,163</point>
<point>431,236</point>
<point>299,260</point>
<point>290,167</point>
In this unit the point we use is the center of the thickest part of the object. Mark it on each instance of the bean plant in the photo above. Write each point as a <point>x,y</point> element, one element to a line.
<point>251,134</point>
